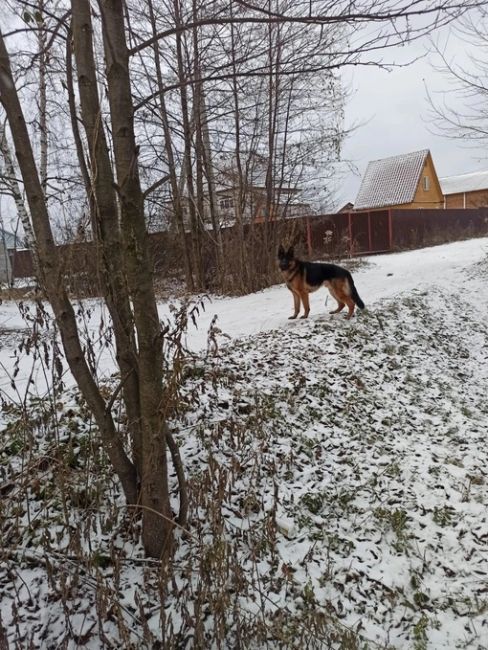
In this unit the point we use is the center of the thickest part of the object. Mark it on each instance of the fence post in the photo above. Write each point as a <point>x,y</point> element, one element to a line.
<point>349,216</point>
<point>390,230</point>
<point>370,242</point>
<point>309,236</point>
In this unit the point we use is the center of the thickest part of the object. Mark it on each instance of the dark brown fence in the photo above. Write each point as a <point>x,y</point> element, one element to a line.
<point>332,235</point>
<point>380,231</point>
<point>21,263</point>
<point>413,230</point>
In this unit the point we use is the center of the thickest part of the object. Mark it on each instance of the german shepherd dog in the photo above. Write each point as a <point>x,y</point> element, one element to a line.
<point>303,278</point>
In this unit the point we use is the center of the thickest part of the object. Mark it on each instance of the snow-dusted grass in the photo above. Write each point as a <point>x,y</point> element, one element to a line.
<point>338,475</point>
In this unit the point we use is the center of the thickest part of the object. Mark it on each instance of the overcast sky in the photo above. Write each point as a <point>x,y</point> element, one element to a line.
<point>395,107</point>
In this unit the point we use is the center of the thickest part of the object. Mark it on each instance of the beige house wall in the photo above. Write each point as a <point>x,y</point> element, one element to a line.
<point>432,197</point>
<point>477,199</point>
<point>454,201</point>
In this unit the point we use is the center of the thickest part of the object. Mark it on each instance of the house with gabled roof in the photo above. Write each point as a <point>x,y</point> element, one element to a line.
<point>406,181</point>
<point>465,190</point>
<point>246,191</point>
<point>251,189</point>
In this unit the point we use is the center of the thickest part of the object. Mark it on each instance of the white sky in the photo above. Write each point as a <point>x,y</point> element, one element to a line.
<point>395,107</point>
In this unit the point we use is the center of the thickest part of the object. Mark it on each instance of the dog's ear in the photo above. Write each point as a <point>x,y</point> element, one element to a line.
<point>281,251</point>
<point>291,252</point>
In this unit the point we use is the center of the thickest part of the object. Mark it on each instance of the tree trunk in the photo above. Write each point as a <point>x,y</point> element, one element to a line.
<point>52,281</point>
<point>175,190</point>
<point>12,182</point>
<point>213,203</point>
<point>105,220</point>
<point>239,191</point>
<point>195,219</point>
<point>157,519</point>
<point>43,133</point>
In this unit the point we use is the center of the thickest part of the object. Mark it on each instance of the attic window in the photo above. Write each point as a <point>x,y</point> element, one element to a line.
<point>426,183</point>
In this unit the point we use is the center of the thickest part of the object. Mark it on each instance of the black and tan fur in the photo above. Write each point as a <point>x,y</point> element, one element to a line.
<point>302,278</point>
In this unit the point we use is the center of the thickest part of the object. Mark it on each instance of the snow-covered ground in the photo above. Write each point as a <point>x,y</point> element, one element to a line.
<point>381,277</point>
<point>338,472</point>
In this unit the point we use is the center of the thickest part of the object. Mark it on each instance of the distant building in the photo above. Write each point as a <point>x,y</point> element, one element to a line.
<point>406,181</point>
<point>8,243</point>
<point>347,207</point>
<point>465,190</point>
<point>286,201</point>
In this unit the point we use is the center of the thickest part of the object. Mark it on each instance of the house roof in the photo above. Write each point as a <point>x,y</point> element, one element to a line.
<point>347,207</point>
<point>464,183</point>
<point>391,181</point>
<point>255,168</point>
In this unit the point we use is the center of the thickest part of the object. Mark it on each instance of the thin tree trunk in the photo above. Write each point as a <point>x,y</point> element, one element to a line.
<point>195,222</point>
<point>157,518</point>
<point>204,155</point>
<point>273,104</point>
<point>52,281</point>
<point>85,174</point>
<point>175,190</point>
<point>213,203</point>
<point>43,131</point>
<point>196,87</point>
<point>99,181</point>
<point>11,179</point>
<point>240,198</point>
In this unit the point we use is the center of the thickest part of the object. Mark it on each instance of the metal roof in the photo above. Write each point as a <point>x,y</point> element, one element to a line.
<point>464,183</point>
<point>391,181</point>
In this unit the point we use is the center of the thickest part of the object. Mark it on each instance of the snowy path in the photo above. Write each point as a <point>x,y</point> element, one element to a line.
<point>383,277</point>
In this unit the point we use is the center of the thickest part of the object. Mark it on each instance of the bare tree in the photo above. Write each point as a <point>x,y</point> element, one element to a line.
<point>12,187</point>
<point>176,197</point>
<point>460,110</point>
<point>145,478</point>
<point>51,275</point>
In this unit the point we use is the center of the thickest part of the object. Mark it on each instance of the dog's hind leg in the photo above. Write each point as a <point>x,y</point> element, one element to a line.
<point>341,293</point>
<point>340,302</point>
<point>340,307</point>
<point>350,306</point>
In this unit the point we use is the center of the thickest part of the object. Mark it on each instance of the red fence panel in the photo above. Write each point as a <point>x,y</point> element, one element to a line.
<point>417,228</point>
<point>380,231</point>
<point>328,234</point>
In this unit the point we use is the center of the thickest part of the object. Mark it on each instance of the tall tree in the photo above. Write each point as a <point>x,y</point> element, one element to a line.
<point>459,110</point>
<point>51,277</point>
<point>127,271</point>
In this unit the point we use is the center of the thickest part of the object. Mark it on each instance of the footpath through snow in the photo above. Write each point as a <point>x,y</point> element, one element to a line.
<point>382,277</point>
<point>449,267</point>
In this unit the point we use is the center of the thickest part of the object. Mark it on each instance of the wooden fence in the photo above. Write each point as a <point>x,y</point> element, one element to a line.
<point>381,231</point>
<point>320,236</point>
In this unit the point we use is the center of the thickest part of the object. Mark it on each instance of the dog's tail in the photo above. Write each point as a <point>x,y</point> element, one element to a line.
<point>354,293</point>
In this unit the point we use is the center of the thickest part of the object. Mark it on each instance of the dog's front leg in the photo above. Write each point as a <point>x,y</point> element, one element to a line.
<point>306,305</point>
<point>296,304</point>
